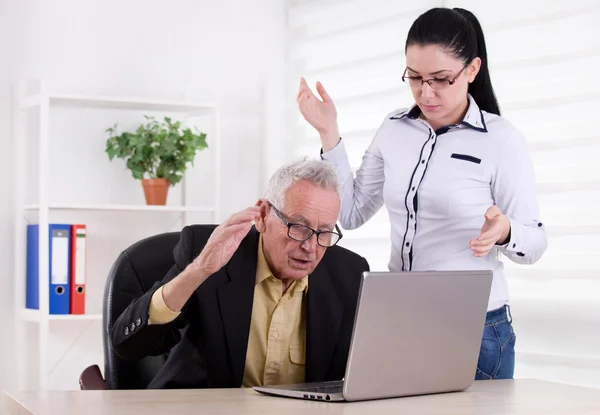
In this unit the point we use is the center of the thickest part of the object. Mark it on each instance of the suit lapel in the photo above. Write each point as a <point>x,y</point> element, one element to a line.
<point>324,318</point>
<point>235,302</point>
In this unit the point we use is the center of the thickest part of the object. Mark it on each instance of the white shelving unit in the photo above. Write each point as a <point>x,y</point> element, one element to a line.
<point>126,208</point>
<point>42,102</point>
<point>36,316</point>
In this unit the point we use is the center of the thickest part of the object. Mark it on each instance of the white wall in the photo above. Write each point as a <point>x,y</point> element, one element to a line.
<point>229,52</point>
<point>7,56</point>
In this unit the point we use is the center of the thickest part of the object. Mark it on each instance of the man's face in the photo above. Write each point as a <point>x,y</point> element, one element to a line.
<point>305,204</point>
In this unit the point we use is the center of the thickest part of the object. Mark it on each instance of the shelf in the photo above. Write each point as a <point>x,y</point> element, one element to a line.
<point>36,316</point>
<point>107,102</point>
<point>123,208</point>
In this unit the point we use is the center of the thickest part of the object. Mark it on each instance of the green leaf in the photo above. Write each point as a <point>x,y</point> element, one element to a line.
<point>157,149</point>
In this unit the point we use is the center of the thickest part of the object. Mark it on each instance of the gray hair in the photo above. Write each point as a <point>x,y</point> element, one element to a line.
<point>319,172</point>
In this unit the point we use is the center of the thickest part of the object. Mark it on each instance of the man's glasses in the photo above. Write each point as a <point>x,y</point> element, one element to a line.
<point>434,83</point>
<point>301,233</point>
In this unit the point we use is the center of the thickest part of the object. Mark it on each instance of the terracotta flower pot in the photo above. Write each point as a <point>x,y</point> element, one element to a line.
<point>155,191</point>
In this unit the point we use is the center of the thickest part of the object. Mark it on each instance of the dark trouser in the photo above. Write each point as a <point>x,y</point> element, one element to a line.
<point>497,354</point>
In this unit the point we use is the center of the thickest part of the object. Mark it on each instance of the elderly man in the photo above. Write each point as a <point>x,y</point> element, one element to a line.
<point>266,297</point>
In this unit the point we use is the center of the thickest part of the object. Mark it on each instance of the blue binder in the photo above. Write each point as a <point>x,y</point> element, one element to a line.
<point>59,271</point>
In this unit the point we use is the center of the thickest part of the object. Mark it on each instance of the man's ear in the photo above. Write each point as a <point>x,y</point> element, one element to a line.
<point>264,211</point>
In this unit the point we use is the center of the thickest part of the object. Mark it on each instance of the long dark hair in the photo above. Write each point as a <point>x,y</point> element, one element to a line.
<point>459,32</point>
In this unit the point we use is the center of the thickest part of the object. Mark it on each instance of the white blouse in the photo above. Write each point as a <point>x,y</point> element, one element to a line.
<point>437,186</point>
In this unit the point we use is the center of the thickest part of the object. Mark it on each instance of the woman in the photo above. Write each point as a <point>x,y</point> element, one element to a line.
<point>456,178</point>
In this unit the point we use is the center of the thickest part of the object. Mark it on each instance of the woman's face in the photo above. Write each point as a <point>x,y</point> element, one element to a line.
<point>441,103</point>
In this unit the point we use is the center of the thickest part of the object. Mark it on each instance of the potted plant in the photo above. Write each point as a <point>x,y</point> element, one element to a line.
<point>157,153</point>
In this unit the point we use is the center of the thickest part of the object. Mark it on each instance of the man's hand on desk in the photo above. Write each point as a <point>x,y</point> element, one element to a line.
<point>217,252</point>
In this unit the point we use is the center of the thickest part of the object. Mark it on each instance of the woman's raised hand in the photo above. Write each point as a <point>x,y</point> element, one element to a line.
<point>320,113</point>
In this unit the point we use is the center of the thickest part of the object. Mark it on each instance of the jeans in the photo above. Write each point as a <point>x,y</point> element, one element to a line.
<point>497,353</point>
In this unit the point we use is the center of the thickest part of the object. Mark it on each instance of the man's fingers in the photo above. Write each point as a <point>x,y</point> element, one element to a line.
<point>246,215</point>
<point>240,234</point>
<point>232,229</point>
<point>244,218</point>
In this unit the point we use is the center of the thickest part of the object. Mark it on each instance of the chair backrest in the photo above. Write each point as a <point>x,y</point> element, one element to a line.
<point>134,272</point>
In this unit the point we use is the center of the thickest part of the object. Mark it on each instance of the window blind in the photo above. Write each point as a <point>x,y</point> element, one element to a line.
<point>542,56</point>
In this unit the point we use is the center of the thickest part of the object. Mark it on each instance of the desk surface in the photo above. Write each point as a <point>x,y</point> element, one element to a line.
<point>499,397</point>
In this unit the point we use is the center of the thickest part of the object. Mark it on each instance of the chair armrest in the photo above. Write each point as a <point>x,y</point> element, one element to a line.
<point>91,379</point>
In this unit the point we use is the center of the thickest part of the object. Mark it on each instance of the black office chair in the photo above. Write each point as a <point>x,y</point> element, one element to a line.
<point>134,272</point>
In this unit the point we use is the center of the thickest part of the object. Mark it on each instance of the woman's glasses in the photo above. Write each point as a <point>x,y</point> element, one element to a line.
<point>434,83</point>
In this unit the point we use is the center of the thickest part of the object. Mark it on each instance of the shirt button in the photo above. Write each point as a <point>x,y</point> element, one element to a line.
<point>412,216</point>
<point>422,161</point>
<point>408,244</point>
<point>413,189</point>
<point>275,334</point>
<point>271,364</point>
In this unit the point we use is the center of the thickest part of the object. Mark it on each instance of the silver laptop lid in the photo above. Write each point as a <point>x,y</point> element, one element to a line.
<point>416,333</point>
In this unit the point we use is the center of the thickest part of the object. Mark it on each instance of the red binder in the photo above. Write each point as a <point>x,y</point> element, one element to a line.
<point>78,268</point>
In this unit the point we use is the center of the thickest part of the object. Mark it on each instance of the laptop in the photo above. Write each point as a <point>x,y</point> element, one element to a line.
<point>414,333</point>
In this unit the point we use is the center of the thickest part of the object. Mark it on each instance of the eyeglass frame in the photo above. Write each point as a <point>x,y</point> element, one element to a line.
<point>313,231</point>
<point>450,81</point>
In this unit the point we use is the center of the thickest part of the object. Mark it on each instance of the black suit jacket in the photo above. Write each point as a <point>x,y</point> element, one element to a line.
<point>208,340</point>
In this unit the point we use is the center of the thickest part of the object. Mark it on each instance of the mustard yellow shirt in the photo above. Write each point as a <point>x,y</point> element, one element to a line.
<point>276,352</point>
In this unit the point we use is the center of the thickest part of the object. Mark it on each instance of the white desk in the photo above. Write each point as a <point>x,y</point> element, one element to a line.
<point>504,397</point>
